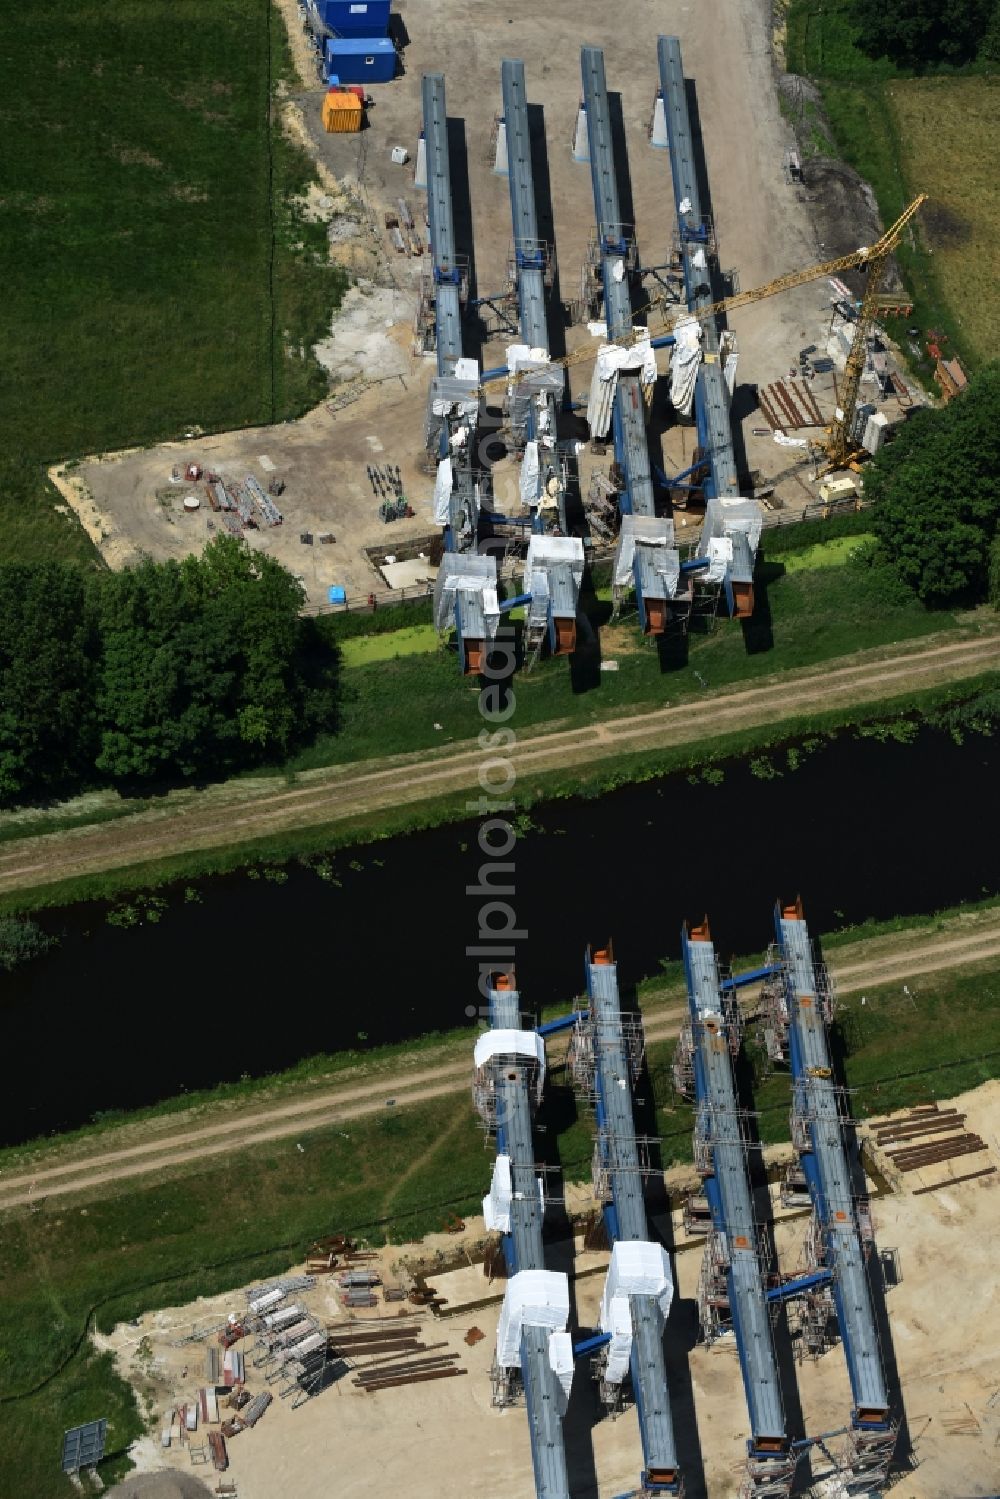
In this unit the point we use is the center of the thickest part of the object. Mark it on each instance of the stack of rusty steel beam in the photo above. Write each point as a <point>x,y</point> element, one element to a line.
<point>384,1354</point>
<point>926,1136</point>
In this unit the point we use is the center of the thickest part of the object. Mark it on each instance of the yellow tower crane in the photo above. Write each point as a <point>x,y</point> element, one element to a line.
<point>874,258</point>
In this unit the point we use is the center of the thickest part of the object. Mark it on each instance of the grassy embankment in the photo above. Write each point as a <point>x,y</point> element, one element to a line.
<point>907,135</point>
<point>163,1244</point>
<point>156,277</point>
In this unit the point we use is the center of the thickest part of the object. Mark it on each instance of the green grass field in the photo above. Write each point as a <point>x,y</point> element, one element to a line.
<point>163,1244</point>
<point>155,278</point>
<point>803,617</point>
<point>905,136</point>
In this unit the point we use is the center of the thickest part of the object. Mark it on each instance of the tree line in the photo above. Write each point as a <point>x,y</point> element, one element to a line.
<point>163,672</point>
<point>921,34</point>
<point>936,489</point>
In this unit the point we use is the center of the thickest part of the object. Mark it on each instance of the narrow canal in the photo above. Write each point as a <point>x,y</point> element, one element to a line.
<point>257,975</point>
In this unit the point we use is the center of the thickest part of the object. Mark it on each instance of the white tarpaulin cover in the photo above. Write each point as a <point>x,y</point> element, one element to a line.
<point>530,476</point>
<point>521,355</point>
<point>649,530</point>
<point>510,1044</point>
<point>637,1269</point>
<point>561,1359</point>
<point>543,551</point>
<point>265,1302</point>
<point>466,369</point>
<point>534,1298</point>
<point>685,357</point>
<point>611,360</point>
<point>684,206</point>
<point>496,1207</point>
<point>720,556</point>
<point>698,259</point>
<point>442,492</point>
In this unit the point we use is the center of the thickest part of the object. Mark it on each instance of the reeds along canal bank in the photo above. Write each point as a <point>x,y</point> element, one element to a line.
<point>254,974</point>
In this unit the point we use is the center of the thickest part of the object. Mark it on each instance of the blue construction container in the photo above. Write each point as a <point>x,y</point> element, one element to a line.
<point>355,17</point>
<point>361,59</point>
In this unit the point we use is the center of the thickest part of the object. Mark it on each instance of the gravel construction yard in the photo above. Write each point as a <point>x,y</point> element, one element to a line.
<point>764,226</point>
<point>446,1439</point>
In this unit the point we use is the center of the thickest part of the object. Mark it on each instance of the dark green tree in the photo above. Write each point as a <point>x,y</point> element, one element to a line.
<point>47,651</point>
<point>922,33</point>
<point>937,495</point>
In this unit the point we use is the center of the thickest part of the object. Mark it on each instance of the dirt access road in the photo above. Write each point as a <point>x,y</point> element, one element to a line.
<point>898,957</point>
<point>240,811</point>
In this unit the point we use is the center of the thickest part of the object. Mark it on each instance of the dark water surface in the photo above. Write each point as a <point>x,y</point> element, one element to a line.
<point>261,975</point>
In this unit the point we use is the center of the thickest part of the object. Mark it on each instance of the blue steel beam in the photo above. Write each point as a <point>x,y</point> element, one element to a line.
<point>625,1219</point>
<point>446,270</point>
<point>827,1171</point>
<point>711,399</point>
<point>523,1250</point>
<point>727,1189</point>
<point>565,1022</point>
<point>799,1287</point>
<point>629,423</point>
<point>528,251</point>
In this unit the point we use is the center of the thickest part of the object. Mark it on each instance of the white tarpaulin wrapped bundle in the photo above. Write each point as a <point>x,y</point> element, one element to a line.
<point>522,356</point>
<point>616,1319</point>
<point>684,206</point>
<point>467,369</point>
<point>442,492</point>
<point>498,1043</point>
<point>685,357</point>
<point>698,259</point>
<point>531,483</point>
<point>534,1298</point>
<point>561,1359</point>
<point>642,530</point>
<point>638,1268</point>
<point>496,1207</point>
<point>727,515</point>
<point>612,359</point>
<point>266,1302</point>
<point>720,557</point>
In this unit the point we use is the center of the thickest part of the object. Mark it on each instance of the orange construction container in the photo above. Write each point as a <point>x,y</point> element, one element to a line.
<point>341,111</point>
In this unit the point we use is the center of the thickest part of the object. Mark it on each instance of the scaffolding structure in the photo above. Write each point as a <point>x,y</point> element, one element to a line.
<point>841,1233</point>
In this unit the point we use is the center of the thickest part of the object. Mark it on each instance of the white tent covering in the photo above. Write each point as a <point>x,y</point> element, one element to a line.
<point>442,492</point>
<point>643,530</point>
<point>638,1268</point>
<point>685,357</point>
<point>500,1043</point>
<point>468,573</point>
<point>726,516</point>
<point>534,1298</point>
<point>543,551</point>
<point>496,1207</point>
<point>612,360</point>
<point>531,480</point>
<point>561,1359</point>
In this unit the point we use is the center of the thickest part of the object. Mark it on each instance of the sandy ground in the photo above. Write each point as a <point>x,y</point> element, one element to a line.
<point>446,1439</point>
<point>764,226</point>
<point>231,813</point>
<point>174,1143</point>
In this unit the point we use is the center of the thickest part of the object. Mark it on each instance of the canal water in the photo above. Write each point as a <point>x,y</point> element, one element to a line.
<point>258,975</point>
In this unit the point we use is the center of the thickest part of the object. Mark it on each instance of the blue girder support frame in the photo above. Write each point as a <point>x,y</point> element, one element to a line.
<point>523,1250</point>
<point>728,1192</point>
<point>827,1171</point>
<point>711,397</point>
<point>447,273</point>
<point>625,1219</point>
<point>629,422</point>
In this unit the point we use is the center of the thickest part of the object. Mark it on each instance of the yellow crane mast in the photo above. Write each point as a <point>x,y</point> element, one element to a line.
<point>873,257</point>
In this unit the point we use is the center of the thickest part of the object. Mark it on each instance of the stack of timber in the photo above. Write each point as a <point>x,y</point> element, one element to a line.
<point>925,1137</point>
<point>789,404</point>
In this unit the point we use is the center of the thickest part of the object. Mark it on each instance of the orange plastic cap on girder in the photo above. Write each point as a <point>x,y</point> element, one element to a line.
<point>793,912</point>
<point>503,981</point>
<point>700,933</point>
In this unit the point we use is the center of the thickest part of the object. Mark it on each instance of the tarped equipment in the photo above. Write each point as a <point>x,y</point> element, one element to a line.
<point>549,551</point>
<point>646,530</point>
<point>685,358</point>
<point>530,475</point>
<point>534,1298</point>
<point>698,259</point>
<point>612,360</point>
<point>501,1043</point>
<point>561,1359</point>
<point>496,1207</point>
<point>684,206</point>
<point>442,492</point>
<point>637,1268</point>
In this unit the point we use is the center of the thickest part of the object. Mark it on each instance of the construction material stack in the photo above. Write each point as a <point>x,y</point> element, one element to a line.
<point>536,388</point>
<point>605,1056</point>
<point>841,1239</point>
<point>533,1349</point>
<point>732,1294</point>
